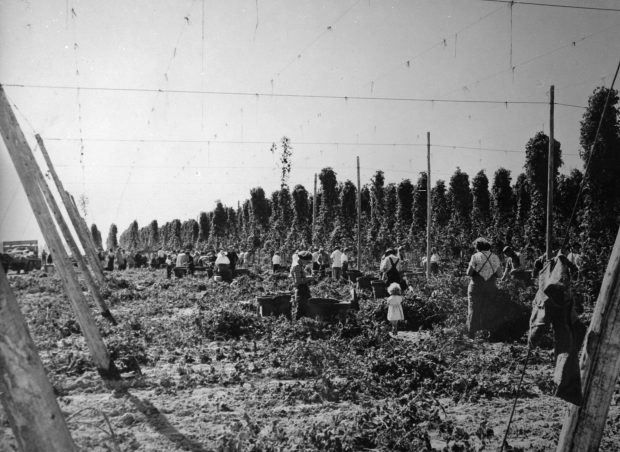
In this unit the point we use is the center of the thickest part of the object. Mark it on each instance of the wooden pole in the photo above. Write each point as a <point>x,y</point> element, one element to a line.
<point>428,206</point>
<point>600,366</point>
<point>359,218</point>
<point>18,147</point>
<point>25,392</point>
<point>550,178</point>
<point>74,216</point>
<point>86,232</point>
<point>64,229</point>
<point>314,211</point>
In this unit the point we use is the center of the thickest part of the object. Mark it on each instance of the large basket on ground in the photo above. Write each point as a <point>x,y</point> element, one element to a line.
<point>353,275</point>
<point>274,304</point>
<point>364,282</point>
<point>379,288</point>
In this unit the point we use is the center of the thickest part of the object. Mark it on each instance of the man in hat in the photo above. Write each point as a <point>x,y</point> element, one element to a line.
<point>222,266</point>
<point>300,280</point>
<point>389,267</point>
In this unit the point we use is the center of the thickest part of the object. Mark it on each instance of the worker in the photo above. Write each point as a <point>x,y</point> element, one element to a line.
<point>484,268</point>
<point>336,259</point>
<point>276,261</point>
<point>389,267</point>
<point>301,292</point>
<point>222,266</point>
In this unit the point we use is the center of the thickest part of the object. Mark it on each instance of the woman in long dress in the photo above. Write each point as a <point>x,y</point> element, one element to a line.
<point>484,268</point>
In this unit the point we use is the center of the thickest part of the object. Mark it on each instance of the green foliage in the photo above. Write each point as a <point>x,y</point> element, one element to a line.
<point>523,204</point>
<point>536,162</point>
<point>345,230</point>
<point>327,208</point>
<point>96,236</point>
<point>502,205</point>
<point>377,214</point>
<point>112,241</point>
<point>602,179</point>
<point>481,204</point>
<point>418,226</point>
<point>391,203</point>
<point>439,204</point>
<point>189,233</point>
<point>219,224</point>
<point>404,210</point>
<point>152,235</point>
<point>536,169</point>
<point>204,227</point>
<point>564,201</point>
<point>299,234</point>
<point>460,202</point>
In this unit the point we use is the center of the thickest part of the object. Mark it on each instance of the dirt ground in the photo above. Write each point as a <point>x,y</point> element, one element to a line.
<point>226,404</point>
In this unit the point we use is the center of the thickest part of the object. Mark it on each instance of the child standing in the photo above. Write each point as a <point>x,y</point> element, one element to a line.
<point>395,308</point>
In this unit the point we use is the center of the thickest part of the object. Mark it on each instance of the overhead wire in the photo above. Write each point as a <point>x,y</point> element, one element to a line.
<point>77,93</point>
<point>442,42</point>
<point>299,54</point>
<point>293,95</point>
<point>185,25</point>
<point>555,5</point>
<point>527,61</point>
<point>296,143</point>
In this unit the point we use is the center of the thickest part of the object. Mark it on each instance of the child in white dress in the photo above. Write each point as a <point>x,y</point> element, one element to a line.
<point>395,308</point>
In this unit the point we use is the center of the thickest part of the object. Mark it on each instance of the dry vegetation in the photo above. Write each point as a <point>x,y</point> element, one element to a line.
<point>216,376</point>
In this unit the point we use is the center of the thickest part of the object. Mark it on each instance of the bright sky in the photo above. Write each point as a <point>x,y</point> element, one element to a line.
<point>206,143</point>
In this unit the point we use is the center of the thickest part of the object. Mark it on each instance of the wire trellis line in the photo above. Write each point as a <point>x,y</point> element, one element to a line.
<point>505,103</point>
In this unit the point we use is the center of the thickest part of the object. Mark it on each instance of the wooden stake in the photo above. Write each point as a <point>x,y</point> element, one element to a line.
<point>550,178</point>
<point>359,218</point>
<point>18,147</point>
<point>25,392</point>
<point>64,228</point>
<point>600,366</point>
<point>314,211</point>
<point>428,206</point>
<point>74,216</point>
<point>86,233</point>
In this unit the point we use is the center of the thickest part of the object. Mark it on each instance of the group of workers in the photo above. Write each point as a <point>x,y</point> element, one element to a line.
<point>485,268</point>
<point>320,262</point>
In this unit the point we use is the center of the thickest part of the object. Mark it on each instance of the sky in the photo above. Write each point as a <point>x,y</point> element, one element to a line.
<point>157,109</point>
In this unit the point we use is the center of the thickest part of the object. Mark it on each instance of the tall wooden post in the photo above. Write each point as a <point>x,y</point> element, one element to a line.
<point>550,178</point>
<point>600,366</point>
<point>86,233</point>
<point>359,218</point>
<point>428,206</point>
<point>18,147</point>
<point>25,392</point>
<point>64,229</point>
<point>74,216</point>
<point>314,212</point>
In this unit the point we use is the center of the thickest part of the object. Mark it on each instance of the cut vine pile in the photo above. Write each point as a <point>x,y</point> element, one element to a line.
<point>217,376</point>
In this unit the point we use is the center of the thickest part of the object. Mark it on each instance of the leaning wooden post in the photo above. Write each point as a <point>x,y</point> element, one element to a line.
<point>26,394</point>
<point>600,366</point>
<point>428,206</point>
<point>17,146</point>
<point>359,218</point>
<point>87,235</point>
<point>550,179</point>
<point>313,213</point>
<point>74,216</point>
<point>64,228</point>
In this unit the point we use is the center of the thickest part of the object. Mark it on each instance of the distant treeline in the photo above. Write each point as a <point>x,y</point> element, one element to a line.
<point>506,209</point>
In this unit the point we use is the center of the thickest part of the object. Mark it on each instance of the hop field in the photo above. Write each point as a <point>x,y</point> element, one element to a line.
<point>203,371</point>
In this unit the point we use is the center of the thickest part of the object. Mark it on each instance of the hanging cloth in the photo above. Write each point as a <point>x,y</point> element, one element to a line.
<point>553,305</point>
